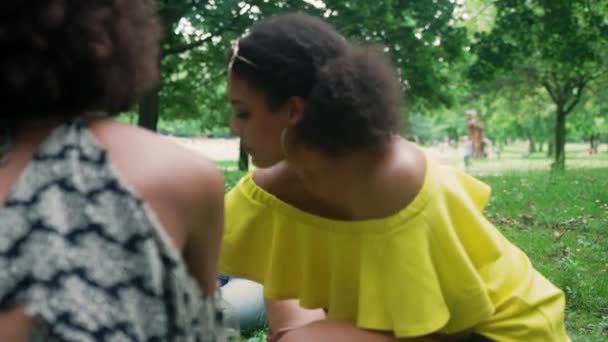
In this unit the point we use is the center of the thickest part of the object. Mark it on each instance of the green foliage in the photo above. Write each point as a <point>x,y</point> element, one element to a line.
<point>518,114</point>
<point>192,127</point>
<point>592,116</point>
<point>527,55</point>
<point>478,16</point>
<point>559,45</point>
<point>422,36</point>
<point>180,127</point>
<point>129,117</point>
<point>442,124</point>
<point>560,38</point>
<point>232,177</point>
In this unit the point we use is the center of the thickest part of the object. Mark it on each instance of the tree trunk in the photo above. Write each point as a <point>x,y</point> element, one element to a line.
<point>559,162</point>
<point>594,143</point>
<point>148,110</point>
<point>243,159</point>
<point>531,145</point>
<point>550,148</point>
<point>540,146</point>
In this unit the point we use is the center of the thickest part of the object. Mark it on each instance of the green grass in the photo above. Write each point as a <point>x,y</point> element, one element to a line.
<point>559,219</point>
<point>232,177</point>
<point>515,158</point>
<point>227,164</point>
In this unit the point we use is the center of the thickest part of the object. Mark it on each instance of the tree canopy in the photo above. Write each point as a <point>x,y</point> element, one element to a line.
<point>559,45</point>
<point>422,36</point>
<point>528,65</point>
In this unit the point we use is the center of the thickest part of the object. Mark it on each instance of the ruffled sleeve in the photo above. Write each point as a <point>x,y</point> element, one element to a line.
<point>431,270</point>
<point>415,273</point>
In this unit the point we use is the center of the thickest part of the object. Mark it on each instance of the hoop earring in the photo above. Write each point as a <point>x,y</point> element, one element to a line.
<point>283,143</point>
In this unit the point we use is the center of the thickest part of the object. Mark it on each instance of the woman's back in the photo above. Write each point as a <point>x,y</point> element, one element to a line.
<point>96,215</point>
<point>88,249</point>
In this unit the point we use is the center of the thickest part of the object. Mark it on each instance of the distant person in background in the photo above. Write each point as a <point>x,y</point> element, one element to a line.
<point>498,150</point>
<point>476,132</point>
<point>594,143</point>
<point>96,215</point>
<point>466,150</point>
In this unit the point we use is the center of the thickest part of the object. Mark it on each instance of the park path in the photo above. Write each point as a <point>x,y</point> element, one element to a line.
<point>513,158</point>
<point>228,149</point>
<point>215,149</point>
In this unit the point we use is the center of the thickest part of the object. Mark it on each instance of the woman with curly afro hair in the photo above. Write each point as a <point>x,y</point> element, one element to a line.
<point>355,233</point>
<point>107,231</point>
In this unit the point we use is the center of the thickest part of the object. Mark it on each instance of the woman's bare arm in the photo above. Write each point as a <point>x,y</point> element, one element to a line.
<point>15,326</point>
<point>204,235</point>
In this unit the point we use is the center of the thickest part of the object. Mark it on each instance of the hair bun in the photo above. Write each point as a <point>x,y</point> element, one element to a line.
<point>356,101</point>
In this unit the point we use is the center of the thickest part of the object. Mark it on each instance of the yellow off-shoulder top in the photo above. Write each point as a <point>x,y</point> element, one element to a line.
<point>436,266</point>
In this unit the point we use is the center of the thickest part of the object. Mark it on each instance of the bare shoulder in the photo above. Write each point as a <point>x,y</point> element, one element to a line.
<point>154,159</point>
<point>177,182</point>
<point>412,163</point>
<point>404,175</point>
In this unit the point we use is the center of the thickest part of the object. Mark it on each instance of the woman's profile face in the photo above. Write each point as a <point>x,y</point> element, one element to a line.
<point>255,123</point>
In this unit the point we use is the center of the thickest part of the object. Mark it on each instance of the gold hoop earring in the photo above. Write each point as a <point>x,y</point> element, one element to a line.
<point>283,143</point>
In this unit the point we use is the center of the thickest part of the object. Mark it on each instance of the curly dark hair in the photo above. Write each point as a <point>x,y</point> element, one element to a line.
<point>352,91</point>
<point>60,59</point>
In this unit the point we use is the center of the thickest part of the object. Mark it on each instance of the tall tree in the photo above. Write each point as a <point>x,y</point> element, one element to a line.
<point>190,26</point>
<point>422,36</point>
<point>559,45</point>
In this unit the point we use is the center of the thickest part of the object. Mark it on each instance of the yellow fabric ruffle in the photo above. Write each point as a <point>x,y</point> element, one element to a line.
<point>417,272</point>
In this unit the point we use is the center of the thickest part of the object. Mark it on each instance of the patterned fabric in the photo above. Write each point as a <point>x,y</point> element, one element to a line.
<point>88,260</point>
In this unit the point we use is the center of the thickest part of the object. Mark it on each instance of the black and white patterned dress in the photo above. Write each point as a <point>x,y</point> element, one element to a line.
<point>88,260</point>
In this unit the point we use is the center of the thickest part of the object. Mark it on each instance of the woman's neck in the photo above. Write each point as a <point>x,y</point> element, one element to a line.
<point>341,182</point>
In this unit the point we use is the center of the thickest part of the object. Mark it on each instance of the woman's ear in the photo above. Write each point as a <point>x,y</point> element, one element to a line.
<point>295,106</point>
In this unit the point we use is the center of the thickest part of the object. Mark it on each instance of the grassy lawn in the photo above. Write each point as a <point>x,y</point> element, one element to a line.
<point>515,158</point>
<point>227,164</point>
<point>561,222</point>
<point>559,219</point>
